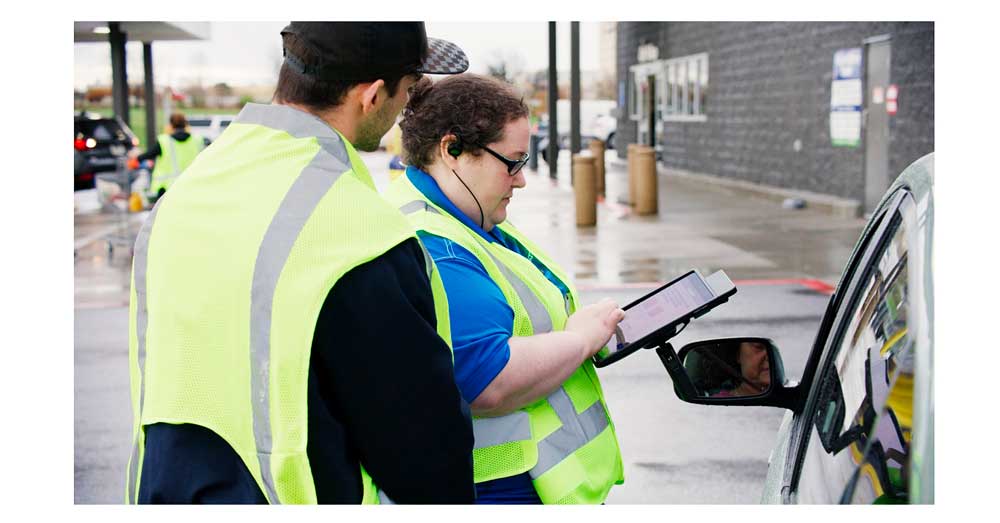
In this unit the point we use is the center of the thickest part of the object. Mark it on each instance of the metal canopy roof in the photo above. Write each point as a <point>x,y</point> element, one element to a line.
<point>142,31</point>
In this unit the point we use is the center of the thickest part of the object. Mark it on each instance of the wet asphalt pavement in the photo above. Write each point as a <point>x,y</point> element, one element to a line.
<point>674,452</point>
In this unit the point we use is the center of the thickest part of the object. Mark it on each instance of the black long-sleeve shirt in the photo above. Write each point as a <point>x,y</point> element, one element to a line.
<point>381,392</point>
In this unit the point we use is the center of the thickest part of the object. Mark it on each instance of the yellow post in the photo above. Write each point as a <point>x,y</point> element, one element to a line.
<point>585,190</point>
<point>645,185</point>
<point>631,173</point>
<point>395,148</point>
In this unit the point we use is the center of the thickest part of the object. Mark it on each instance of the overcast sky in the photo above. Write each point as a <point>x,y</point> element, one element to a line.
<point>245,53</point>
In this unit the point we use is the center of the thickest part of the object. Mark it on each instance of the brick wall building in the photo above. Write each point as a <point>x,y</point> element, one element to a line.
<point>763,115</point>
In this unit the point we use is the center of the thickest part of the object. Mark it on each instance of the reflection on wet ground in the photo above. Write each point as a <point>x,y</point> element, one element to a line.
<point>101,267</point>
<point>698,226</point>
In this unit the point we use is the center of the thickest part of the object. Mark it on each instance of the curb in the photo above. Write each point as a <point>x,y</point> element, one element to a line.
<point>839,207</point>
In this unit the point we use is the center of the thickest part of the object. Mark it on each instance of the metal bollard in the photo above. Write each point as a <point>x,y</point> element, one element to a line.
<point>645,185</point>
<point>533,152</point>
<point>597,151</point>
<point>631,173</point>
<point>585,190</point>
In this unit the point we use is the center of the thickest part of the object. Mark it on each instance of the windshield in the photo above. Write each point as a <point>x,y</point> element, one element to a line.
<point>100,130</point>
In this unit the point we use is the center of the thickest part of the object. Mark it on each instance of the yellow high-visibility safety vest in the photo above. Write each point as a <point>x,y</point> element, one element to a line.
<point>175,157</point>
<point>230,272</point>
<point>566,442</point>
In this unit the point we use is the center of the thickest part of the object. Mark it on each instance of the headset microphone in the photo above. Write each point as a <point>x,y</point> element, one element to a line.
<point>455,150</point>
<point>482,221</point>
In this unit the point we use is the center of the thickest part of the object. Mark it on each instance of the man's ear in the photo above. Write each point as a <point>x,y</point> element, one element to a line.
<point>370,97</point>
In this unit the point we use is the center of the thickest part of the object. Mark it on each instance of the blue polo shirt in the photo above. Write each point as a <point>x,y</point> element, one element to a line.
<point>482,321</point>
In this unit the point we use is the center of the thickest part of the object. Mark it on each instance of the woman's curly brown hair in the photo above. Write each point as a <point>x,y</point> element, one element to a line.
<point>475,108</point>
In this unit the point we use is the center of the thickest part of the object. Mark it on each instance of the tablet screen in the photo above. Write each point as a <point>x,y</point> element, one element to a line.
<point>671,303</point>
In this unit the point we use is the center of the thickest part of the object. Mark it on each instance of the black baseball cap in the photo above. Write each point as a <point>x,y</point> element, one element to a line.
<point>368,50</point>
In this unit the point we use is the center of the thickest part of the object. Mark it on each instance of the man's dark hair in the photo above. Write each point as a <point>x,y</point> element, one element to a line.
<point>474,107</point>
<point>314,93</point>
<point>178,121</point>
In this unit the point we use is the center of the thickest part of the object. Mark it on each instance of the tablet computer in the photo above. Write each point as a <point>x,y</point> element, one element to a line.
<point>654,317</point>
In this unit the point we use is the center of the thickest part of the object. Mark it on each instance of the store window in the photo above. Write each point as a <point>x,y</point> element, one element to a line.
<point>671,90</point>
<point>702,84</point>
<point>687,88</point>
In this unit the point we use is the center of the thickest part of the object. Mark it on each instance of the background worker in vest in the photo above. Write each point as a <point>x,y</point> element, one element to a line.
<point>172,153</point>
<point>288,340</point>
<point>522,346</point>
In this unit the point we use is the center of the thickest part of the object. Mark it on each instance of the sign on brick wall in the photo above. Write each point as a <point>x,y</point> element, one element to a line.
<point>846,98</point>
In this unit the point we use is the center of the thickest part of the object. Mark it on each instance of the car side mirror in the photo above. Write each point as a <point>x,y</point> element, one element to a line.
<point>729,371</point>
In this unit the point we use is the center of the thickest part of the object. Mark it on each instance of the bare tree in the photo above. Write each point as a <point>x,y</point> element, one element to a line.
<point>507,66</point>
<point>222,89</point>
<point>606,88</point>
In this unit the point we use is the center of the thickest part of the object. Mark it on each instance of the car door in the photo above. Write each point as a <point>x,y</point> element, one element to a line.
<point>855,431</point>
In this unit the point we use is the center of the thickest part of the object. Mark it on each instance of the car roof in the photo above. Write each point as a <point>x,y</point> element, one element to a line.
<point>211,116</point>
<point>85,115</point>
<point>918,178</point>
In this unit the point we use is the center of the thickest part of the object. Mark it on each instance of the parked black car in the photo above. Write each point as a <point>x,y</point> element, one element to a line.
<point>543,143</point>
<point>97,143</point>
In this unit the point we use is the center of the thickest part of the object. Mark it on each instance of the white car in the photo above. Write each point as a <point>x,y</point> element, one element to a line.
<point>859,426</point>
<point>210,125</point>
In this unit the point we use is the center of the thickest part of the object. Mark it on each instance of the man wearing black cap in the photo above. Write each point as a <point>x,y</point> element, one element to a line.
<point>288,337</point>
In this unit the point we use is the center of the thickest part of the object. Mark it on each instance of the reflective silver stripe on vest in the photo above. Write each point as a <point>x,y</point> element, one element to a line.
<point>294,211</point>
<point>416,206</point>
<point>577,430</point>
<point>297,123</point>
<point>173,157</point>
<point>384,500</point>
<point>428,261</point>
<point>540,320</point>
<point>490,432</point>
<point>141,253</point>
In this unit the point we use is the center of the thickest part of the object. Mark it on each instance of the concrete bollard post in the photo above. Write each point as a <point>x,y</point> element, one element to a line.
<point>597,151</point>
<point>533,152</point>
<point>585,190</point>
<point>645,185</point>
<point>631,172</point>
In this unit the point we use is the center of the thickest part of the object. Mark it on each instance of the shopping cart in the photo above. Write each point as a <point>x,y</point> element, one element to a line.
<point>114,191</point>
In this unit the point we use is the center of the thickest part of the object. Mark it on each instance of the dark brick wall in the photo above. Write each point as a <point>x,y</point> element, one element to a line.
<point>911,131</point>
<point>770,85</point>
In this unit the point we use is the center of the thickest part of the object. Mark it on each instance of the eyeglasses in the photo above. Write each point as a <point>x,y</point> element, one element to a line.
<point>513,166</point>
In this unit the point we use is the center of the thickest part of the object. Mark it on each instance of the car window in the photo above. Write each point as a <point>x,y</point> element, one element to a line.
<point>860,433</point>
<point>224,123</point>
<point>199,122</point>
<point>101,130</point>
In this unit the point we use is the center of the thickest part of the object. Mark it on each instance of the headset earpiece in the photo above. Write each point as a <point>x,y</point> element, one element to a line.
<point>455,148</point>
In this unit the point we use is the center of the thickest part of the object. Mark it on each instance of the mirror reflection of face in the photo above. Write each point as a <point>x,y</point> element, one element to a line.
<point>754,364</point>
